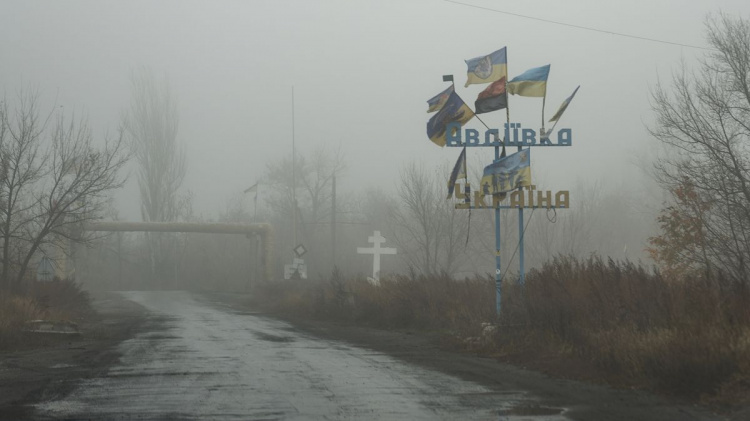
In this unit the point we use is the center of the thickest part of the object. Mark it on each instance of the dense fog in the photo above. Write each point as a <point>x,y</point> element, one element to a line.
<point>345,84</point>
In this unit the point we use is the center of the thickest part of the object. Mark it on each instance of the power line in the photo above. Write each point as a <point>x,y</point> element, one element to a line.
<point>586,28</point>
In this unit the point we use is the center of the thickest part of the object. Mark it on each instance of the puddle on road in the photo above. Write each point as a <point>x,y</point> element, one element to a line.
<point>62,366</point>
<point>159,336</point>
<point>272,338</point>
<point>530,411</point>
<point>247,313</point>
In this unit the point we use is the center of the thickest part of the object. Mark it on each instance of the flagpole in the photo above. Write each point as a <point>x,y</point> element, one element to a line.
<point>498,280</point>
<point>498,242</point>
<point>559,117</point>
<point>521,256</point>
<point>498,272</point>
<point>466,169</point>
<point>467,189</point>
<point>473,111</point>
<point>551,130</point>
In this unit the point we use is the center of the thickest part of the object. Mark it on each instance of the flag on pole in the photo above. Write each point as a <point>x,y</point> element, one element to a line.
<point>532,82</point>
<point>493,98</point>
<point>459,171</point>
<point>253,188</point>
<point>436,103</point>
<point>563,106</point>
<point>487,68</point>
<point>454,109</point>
<point>508,173</point>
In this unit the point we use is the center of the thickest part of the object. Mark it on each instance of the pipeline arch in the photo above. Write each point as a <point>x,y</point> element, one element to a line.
<point>264,231</point>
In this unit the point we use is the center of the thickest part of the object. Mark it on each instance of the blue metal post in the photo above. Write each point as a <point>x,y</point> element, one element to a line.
<point>521,265</point>
<point>520,245</point>
<point>498,279</point>
<point>498,276</point>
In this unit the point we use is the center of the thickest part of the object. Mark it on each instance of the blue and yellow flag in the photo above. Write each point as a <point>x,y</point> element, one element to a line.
<point>454,109</point>
<point>564,106</point>
<point>486,69</point>
<point>436,103</point>
<point>532,82</point>
<point>508,173</point>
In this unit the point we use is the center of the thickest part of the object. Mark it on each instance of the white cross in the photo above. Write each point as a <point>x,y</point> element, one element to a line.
<point>376,252</point>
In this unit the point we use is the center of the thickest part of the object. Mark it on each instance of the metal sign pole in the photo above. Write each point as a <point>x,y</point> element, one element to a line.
<point>514,135</point>
<point>498,273</point>
<point>520,246</point>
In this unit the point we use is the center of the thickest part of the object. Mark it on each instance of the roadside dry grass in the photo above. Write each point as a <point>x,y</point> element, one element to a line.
<point>592,319</point>
<point>58,301</point>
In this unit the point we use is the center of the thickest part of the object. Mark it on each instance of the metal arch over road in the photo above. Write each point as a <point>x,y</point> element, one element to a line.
<point>263,230</point>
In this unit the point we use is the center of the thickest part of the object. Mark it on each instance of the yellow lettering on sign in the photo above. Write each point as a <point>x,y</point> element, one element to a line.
<point>479,200</point>
<point>562,199</point>
<point>497,198</point>
<point>516,199</point>
<point>531,198</point>
<point>544,199</point>
<point>458,192</point>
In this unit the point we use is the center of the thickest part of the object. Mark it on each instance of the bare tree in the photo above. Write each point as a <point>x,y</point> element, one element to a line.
<point>151,124</point>
<point>704,122</point>
<point>430,232</point>
<point>51,188</point>
<point>23,165</point>
<point>314,178</point>
<point>314,175</point>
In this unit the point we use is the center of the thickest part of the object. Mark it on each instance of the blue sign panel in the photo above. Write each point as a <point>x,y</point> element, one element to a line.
<point>514,135</point>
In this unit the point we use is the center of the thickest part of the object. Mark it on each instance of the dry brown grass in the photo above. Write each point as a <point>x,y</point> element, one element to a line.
<point>689,337</point>
<point>400,302</point>
<point>58,301</point>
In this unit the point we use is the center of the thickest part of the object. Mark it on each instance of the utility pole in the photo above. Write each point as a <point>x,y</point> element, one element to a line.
<point>294,181</point>
<point>333,223</point>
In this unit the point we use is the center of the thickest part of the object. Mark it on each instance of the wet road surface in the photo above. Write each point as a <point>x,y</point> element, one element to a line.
<point>210,362</point>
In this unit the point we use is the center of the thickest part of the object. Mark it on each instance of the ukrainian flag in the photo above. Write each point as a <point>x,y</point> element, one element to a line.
<point>489,68</point>
<point>532,82</point>
<point>436,103</point>
<point>454,109</point>
<point>564,106</point>
<point>507,174</point>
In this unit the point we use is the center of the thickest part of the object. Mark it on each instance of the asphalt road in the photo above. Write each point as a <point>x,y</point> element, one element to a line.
<point>210,362</point>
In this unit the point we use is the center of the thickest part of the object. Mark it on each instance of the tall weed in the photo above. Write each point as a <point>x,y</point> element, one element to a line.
<point>685,336</point>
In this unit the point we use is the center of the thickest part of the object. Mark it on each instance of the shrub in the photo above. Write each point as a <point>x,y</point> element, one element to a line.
<point>688,336</point>
<point>59,301</point>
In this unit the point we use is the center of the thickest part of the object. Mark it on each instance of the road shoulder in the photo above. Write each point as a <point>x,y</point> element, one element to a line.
<point>53,370</point>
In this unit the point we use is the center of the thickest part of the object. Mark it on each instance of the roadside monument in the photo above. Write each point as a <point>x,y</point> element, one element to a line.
<point>376,239</point>
<point>508,176</point>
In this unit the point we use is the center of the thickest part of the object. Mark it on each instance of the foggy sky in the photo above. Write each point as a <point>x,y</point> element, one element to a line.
<point>361,71</point>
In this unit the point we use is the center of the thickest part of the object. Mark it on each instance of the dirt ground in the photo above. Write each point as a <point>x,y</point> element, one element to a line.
<point>53,365</point>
